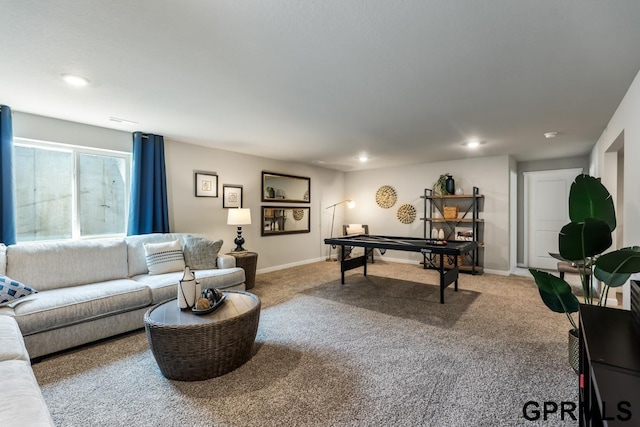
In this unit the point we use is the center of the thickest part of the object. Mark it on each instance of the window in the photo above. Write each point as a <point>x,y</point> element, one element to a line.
<point>68,192</point>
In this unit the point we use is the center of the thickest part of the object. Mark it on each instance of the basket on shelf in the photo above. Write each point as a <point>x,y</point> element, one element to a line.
<point>450,212</point>
<point>448,261</point>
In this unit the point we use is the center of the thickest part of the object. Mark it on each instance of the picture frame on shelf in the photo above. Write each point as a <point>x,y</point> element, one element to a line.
<point>206,184</point>
<point>464,233</point>
<point>231,196</point>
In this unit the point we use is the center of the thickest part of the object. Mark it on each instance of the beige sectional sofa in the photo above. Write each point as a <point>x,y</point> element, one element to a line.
<point>86,290</point>
<point>22,401</point>
<point>93,289</point>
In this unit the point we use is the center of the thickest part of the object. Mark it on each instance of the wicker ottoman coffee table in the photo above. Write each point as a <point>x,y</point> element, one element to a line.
<point>191,347</point>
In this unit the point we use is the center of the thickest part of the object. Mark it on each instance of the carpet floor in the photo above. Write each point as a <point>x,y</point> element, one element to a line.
<point>378,351</point>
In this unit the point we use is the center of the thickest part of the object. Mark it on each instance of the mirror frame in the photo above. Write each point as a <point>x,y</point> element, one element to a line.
<point>265,198</point>
<point>272,232</point>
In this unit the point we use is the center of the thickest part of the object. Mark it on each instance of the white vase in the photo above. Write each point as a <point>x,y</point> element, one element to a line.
<point>441,234</point>
<point>434,233</point>
<point>187,290</point>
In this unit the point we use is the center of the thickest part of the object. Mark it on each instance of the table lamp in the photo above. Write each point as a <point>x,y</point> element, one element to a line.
<point>239,217</point>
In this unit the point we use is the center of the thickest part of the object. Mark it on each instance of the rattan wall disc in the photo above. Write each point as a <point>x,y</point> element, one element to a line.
<point>298,214</point>
<point>406,213</point>
<point>386,196</point>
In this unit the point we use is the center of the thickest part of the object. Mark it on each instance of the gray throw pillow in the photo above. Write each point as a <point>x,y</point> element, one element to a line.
<point>201,253</point>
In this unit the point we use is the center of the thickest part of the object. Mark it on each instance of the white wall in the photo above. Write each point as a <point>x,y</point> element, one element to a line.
<point>489,174</point>
<point>626,119</point>
<point>188,213</point>
<point>64,132</point>
<point>207,216</point>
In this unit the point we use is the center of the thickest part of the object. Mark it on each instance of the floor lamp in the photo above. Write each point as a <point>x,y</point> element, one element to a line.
<point>350,204</point>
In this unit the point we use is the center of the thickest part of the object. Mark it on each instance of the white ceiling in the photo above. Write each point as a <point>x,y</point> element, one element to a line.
<point>403,81</point>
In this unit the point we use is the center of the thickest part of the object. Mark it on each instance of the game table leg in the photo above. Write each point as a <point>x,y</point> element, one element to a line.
<point>442,278</point>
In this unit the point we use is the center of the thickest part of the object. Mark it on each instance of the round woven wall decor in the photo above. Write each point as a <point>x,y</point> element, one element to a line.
<point>298,214</point>
<point>386,196</point>
<point>406,213</point>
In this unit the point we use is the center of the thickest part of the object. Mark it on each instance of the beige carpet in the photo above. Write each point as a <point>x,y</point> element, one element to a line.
<point>377,351</point>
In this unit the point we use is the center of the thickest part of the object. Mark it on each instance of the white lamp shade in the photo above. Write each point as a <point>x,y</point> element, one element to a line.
<point>239,216</point>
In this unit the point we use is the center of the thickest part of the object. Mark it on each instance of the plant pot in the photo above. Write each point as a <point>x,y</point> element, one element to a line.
<point>574,350</point>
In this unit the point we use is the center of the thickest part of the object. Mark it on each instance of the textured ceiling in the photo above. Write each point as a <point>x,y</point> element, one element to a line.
<point>326,80</point>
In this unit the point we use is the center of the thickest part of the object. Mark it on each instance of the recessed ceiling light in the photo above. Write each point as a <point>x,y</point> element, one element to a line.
<point>363,159</point>
<point>549,135</point>
<point>74,79</point>
<point>473,143</point>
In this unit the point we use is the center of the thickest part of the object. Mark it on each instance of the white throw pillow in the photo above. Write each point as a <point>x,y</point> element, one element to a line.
<point>355,229</point>
<point>164,257</point>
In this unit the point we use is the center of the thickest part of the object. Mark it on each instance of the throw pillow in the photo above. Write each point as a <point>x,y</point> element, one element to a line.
<point>164,257</point>
<point>11,290</point>
<point>201,253</point>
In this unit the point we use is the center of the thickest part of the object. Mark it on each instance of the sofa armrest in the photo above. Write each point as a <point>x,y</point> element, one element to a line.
<point>226,261</point>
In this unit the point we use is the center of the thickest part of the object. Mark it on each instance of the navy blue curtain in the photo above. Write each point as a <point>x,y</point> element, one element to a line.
<point>148,210</point>
<point>7,193</point>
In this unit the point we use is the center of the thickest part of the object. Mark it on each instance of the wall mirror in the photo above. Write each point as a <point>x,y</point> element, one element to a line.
<point>285,220</point>
<point>277,187</point>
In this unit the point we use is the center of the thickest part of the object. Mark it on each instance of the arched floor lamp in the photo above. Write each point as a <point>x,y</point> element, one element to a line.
<point>350,204</point>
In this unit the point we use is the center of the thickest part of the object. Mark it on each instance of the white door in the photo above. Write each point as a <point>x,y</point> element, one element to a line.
<point>546,211</point>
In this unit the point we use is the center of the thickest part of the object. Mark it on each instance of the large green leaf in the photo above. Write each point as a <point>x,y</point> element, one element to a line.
<point>622,261</point>
<point>588,198</point>
<point>560,303</point>
<point>610,279</point>
<point>550,283</point>
<point>578,241</point>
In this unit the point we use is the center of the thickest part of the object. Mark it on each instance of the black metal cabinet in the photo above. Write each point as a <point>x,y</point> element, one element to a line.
<point>609,375</point>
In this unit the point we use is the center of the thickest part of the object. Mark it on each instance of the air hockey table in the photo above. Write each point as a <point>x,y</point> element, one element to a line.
<point>430,248</point>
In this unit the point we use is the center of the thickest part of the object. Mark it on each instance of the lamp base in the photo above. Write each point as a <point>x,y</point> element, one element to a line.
<point>239,241</point>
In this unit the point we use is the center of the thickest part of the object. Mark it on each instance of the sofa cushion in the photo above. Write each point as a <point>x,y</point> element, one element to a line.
<point>164,287</point>
<point>22,400</point>
<point>67,306</point>
<point>135,250</point>
<point>164,257</point>
<point>11,290</point>
<point>51,265</point>
<point>11,342</point>
<point>201,253</point>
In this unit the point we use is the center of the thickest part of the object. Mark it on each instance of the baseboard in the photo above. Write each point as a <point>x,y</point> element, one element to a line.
<point>293,264</point>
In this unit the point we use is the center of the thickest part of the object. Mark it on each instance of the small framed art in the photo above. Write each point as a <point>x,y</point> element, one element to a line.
<point>206,184</point>
<point>231,196</point>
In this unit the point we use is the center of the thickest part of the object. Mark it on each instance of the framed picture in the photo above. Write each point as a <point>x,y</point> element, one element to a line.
<point>231,196</point>
<point>206,184</point>
<point>463,233</point>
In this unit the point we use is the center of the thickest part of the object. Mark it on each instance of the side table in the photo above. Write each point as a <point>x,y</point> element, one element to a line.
<point>247,261</point>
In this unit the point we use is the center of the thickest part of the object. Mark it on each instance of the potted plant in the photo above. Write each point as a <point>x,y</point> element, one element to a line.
<point>583,242</point>
<point>440,186</point>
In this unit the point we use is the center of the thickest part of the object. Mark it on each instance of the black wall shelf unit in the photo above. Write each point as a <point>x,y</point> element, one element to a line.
<point>466,221</point>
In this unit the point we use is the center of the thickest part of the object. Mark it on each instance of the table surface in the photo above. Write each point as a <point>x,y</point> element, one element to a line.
<point>236,304</point>
<point>414,244</point>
